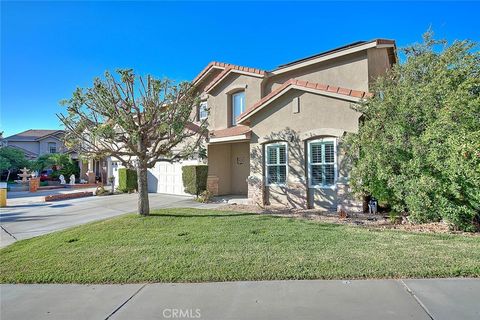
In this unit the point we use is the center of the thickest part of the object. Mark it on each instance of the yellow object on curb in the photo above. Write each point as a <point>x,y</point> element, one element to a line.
<point>3,198</point>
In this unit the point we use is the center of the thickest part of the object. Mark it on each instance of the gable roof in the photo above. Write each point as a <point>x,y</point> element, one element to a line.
<point>234,69</point>
<point>330,54</point>
<point>319,88</point>
<point>211,66</point>
<point>32,135</point>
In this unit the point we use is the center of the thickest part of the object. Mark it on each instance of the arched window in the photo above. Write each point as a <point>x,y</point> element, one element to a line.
<point>238,105</point>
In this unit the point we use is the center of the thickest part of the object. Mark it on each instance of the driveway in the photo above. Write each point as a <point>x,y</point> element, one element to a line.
<point>28,217</point>
<point>438,299</point>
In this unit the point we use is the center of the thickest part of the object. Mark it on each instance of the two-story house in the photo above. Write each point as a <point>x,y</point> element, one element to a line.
<point>276,136</point>
<point>34,142</point>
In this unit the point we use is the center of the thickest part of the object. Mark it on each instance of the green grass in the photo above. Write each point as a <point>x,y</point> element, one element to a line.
<point>179,245</point>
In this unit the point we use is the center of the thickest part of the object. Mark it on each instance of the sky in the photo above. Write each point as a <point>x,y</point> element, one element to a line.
<point>48,49</point>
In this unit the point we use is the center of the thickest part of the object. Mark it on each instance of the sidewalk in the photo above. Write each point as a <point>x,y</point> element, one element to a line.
<point>317,299</point>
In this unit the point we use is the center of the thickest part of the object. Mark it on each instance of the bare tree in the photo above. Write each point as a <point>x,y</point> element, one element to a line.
<point>137,120</point>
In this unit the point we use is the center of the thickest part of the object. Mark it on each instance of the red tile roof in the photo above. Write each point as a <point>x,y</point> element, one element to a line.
<point>232,68</point>
<point>211,65</point>
<point>193,127</point>
<point>305,84</point>
<point>228,132</point>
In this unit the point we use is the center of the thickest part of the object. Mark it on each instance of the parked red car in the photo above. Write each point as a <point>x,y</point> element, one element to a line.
<point>46,175</point>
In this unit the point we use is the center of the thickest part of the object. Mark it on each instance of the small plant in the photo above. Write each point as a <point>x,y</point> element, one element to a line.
<point>205,196</point>
<point>342,214</point>
<point>394,217</point>
<point>101,191</point>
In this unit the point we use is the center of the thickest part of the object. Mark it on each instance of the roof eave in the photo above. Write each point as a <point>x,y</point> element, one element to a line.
<point>205,72</point>
<point>223,77</point>
<point>237,137</point>
<point>379,43</point>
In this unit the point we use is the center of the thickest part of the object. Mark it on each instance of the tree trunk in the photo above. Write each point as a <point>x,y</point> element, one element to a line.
<point>143,205</point>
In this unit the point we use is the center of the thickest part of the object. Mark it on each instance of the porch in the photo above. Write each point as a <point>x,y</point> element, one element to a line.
<point>228,168</point>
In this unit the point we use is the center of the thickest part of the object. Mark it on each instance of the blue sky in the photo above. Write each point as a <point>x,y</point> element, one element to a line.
<point>50,48</point>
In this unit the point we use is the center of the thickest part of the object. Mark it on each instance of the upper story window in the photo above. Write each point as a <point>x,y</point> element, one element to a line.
<point>52,147</point>
<point>238,105</point>
<point>322,163</point>
<point>203,111</point>
<point>276,163</point>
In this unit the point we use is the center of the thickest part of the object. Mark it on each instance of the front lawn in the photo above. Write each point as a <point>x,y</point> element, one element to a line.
<point>179,245</point>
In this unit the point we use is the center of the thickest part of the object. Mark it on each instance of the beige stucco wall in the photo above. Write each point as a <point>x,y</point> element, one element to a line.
<point>319,116</point>
<point>316,111</point>
<point>350,71</point>
<point>240,167</point>
<point>378,63</point>
<point>219,99</point>
<point>219,166</point>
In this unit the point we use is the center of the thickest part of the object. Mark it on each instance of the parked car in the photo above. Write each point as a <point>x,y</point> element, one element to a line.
<point>46,175</point>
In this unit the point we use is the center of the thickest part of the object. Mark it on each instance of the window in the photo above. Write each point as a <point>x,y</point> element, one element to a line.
<point>238,105</point>
<point>203,111</point>
<point>276,163</point>
<point>322,163</point>
<point>52,147</point>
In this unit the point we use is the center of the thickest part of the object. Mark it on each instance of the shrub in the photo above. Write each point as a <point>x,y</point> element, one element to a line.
<point>205,197</point>
<point>418,141</point>
<point>127,180</point>
<point>195,178</point>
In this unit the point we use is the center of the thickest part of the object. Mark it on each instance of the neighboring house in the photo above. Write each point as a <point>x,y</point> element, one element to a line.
<point>34,143</point>
<point>276,136</point>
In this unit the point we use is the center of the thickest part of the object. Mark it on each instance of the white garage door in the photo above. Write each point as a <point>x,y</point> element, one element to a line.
<point>166,177</point>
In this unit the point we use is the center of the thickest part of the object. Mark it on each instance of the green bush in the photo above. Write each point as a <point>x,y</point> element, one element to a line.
<point>56,174</point>
<point>195,178</point>
<point>127,180</point>
<point>62,163</point>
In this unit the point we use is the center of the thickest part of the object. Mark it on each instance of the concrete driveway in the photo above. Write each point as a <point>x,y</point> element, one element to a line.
<point>27,217</point>
<point>439,299</point>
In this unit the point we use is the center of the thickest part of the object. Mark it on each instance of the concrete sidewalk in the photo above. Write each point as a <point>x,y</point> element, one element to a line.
<point>317,299</point>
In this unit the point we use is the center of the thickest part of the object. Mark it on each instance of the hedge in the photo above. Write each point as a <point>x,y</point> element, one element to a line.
<point>127,180</point>
<point>195,178</point>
